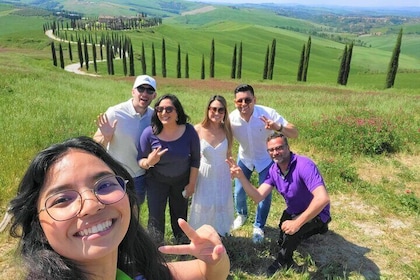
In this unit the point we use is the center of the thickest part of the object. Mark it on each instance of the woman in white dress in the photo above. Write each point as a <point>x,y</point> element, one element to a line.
<point>212,202</point>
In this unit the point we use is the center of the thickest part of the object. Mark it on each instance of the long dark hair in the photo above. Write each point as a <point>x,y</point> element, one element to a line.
<point>137,253</point>
<point>183,118</point>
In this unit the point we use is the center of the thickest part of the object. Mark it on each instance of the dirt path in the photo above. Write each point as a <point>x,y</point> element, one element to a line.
<point>75,67</point>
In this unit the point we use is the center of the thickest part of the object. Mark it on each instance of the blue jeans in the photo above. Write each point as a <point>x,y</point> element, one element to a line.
<point>140,188</point>
<point>240,197</point>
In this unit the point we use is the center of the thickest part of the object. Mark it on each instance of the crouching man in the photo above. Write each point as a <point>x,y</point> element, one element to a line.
<point>299,181</point>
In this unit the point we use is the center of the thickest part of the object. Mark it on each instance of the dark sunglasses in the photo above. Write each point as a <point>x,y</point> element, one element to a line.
<point>168,109</point>
<point>241,100</point>
<point>219,110</point>
<point>142,89</point>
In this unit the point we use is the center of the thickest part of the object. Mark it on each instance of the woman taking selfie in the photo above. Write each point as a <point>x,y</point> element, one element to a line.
<point>76,217</point>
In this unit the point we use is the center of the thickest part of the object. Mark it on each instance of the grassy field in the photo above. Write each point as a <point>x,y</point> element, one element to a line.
<point>375,231</point>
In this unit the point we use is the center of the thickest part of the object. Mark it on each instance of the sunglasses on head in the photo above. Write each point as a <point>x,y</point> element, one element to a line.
<point>168,109</point>
<point>219,110</point>
<point>242,100</point>
<point>142,89</point>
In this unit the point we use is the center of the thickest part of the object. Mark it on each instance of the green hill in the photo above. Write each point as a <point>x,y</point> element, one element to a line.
<point>255,29</point>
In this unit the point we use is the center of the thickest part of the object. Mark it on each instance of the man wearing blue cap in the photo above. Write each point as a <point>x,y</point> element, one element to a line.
<point>120,127</point>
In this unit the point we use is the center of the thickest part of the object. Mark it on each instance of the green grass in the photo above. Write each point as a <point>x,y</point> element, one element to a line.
<point>42,104</point>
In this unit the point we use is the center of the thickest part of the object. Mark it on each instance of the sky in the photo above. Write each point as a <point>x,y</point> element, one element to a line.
<point>355,3</point>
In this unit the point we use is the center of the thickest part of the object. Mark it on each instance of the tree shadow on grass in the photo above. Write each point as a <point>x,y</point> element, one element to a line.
<point>326,256</point>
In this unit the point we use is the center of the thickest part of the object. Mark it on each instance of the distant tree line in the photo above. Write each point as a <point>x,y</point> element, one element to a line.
<point>102,23</point>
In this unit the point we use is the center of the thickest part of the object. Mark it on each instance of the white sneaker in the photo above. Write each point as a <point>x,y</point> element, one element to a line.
<point>257,235</point>
<point>238,222</point>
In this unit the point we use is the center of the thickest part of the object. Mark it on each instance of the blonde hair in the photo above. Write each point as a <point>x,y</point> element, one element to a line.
<point>225,123</point>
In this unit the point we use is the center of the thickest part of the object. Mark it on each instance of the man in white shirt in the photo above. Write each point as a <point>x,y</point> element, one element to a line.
<point>251,125</point>
<point>120,127</point>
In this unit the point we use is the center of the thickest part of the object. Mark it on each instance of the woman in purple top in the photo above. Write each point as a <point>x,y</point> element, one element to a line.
<point>170,152</point>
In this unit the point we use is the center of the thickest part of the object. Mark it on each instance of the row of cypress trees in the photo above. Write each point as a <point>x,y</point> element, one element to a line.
<point>122,45</point>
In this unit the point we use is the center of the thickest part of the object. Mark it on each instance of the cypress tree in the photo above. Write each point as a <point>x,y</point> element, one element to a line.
<point>301,61</point>
<point>80,52</point>
<point>265,70</point>
<point>272,58</point>
<point>187,67</point>
<point>347,64</point>
<point>178,63</point>
<point>124,61</point>
<point>306,62</point>
<point>342,69</point>
<point>131,58</point>
<point>393,64</point>
<point>203,75</point>
<point>61,57</point>
<point>86,55</point>
<point>101,50</point>
<point>95,65</point>
<point>233,71</point>
<point>54,55</point>
<point>120,48</point>
<point>108,57</point>
<point>163,58</point>
<point>239,70</point>
<point>212,59</point>
<point>111,59</point>
<point>153,60</point>
<point>143,59</point>
<point>70,52</point>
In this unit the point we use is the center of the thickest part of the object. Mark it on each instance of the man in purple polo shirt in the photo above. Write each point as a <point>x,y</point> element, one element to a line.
<point>299,181</point>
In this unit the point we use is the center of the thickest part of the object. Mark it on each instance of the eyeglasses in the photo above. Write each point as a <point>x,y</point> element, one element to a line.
<point>65,205</point>
<point>168,109</point>
<point>142,89</point>
<point>278,148</point>
<point>241,100</point>
<point>220,110</point>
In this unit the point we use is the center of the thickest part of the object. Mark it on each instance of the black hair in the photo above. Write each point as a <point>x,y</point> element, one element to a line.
<point>137,253</point>
<point>183,118</point>
<point>275,135</point>
<point>244,88</point>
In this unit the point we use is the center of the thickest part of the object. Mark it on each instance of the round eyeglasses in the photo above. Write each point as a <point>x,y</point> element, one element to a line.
<point>67,204</point>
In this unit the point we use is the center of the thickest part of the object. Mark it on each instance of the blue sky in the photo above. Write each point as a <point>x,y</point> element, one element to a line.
<point>356,3</point>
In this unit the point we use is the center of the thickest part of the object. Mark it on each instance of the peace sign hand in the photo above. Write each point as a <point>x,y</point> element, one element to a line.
<point>205,244</point>
<point>154,156</point>
<point>235,170</point>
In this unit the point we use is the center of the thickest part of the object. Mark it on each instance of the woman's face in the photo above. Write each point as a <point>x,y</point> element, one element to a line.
<point>98,229</point>
<point>216,111</point>
<point>166,112</point>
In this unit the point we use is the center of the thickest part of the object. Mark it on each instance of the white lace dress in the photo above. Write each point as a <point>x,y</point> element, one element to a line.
<point>212,202</point>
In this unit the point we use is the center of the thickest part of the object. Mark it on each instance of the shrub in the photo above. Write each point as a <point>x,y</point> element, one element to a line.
<point>357,133</point>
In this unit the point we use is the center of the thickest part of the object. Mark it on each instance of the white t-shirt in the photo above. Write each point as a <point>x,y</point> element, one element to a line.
<point>252,136</point>
<point>124,143</point>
